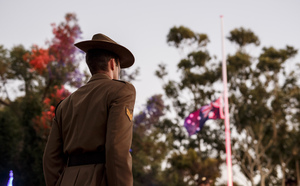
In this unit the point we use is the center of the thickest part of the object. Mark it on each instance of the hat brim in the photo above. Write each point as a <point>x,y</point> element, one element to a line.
<point>125,56</point>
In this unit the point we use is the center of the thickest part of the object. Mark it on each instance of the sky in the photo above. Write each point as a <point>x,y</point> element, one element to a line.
<point>142,27</point>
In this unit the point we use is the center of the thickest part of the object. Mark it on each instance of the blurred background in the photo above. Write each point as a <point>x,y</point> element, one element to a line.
<point>178,51</point>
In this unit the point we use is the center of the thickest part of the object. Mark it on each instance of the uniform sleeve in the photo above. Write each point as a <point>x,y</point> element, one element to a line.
<point>119,138</point>
<point>53,160</point>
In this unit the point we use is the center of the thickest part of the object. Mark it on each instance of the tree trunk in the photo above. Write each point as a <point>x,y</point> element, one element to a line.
<point>283,174</point>
<point>262,180</point>
<point>282,165</point>
<point>297,172</point>
<point>252,182</point>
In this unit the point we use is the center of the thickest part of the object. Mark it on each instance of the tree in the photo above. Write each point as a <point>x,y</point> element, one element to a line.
<point>42,77</point>
<point>263,119</point>
<point>26,120</point>
<point>192,157</point>
<point>243,37</point>
<point>263,99</point>
<point>148,147</point>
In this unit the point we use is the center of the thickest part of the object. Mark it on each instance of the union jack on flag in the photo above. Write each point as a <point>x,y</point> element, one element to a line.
<point>195,121</point>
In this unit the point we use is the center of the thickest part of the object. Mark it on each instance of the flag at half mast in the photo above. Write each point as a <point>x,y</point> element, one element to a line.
<point>195,121</point>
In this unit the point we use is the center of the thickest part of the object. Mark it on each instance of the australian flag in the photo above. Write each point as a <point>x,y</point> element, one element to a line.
<point>195,121</point>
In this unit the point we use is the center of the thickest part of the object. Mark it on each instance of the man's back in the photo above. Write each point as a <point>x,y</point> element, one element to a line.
<point>96,117</point>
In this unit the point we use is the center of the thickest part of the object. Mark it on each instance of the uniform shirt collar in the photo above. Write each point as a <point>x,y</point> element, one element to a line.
<point>99,76</point>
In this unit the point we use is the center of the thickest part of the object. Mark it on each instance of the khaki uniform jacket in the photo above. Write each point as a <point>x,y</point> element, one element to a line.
<point>98,113</point>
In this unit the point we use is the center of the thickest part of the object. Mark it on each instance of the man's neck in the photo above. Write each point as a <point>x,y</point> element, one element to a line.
<point>108,73</point>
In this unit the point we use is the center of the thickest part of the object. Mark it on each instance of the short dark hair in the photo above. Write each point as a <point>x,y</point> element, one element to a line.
<point>97,59</point>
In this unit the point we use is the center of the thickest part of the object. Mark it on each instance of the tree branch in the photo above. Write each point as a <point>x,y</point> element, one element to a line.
<point>4,103</point>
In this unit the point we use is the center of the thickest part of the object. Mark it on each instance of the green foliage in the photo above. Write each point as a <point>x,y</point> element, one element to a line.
<point>193,160</point>
<point>9,140</point>
<point>264,104</point>
<point>19,66</point>
<point>261,105</point>
<point>4,64</point>
<point>25,119</point>
<point>177,35</point>
<point>40,75</point>
<point>195,59</point>
<point>272,59</point>
<point>161,73</point>
<point>243,37</point>
<point>237,64</point>
<point>190,169</point>
<point>148,148</point>
<point>182,35</point>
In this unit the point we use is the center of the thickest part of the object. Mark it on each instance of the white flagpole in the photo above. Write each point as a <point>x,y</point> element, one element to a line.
<point>227,127</point>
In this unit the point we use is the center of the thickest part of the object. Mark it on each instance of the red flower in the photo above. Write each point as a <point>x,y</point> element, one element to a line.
<point>47,101</point>
<point>44,121</point>
<point>39,58</point>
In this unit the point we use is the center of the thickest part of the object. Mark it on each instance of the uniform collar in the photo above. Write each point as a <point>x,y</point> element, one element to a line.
<point>99,76</point>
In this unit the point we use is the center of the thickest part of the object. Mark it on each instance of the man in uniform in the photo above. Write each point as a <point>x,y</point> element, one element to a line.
<point>91,133</point>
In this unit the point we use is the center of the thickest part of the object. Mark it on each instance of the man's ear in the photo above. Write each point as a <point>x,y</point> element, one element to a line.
<point>111,64</point>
